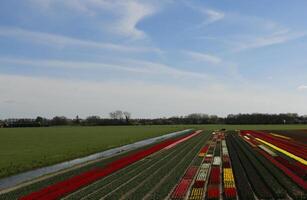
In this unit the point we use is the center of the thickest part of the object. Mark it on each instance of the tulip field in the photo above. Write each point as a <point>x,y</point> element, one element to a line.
<point>199,164</point>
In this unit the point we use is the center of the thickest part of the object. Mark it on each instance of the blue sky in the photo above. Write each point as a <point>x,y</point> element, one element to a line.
<point>152,58</point>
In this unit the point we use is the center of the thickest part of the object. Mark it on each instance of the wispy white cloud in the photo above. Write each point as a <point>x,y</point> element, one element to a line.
<point>203,57</point>
<point>252,32</point>
<point>213,15</point>
<point>132,13</point>
<point>126,14</point>
<point>302,87</point>
<point>158,68</point>
<point>209,14</point>
<point>65,41</point>
<point>277,37</point>
<point>131,66</point>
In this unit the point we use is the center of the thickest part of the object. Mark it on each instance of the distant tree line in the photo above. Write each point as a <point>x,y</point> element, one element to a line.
<point>124,118</point>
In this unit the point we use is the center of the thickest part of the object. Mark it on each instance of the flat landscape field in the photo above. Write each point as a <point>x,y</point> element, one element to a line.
<point>194,165</point>
<point>23,149</point>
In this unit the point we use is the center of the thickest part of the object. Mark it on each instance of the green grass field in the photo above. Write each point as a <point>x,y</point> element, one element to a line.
<point>23,149</point>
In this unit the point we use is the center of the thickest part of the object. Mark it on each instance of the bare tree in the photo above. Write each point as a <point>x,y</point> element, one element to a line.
<point>112,115</point>
<point>127,116</point>
<point>118,114</point>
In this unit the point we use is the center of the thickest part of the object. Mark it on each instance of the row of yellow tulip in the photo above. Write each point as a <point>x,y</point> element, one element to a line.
<point>229,184</point>
<point>293,156</point>
<point>229,190</point>
<point>196,193</point>
<point>228,178</point>
<point>228,174</point>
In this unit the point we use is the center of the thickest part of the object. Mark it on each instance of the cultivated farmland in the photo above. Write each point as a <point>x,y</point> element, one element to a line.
<point>198,164</point>
<point>24,149</point>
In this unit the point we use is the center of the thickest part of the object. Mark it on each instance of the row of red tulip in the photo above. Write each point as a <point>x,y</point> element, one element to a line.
<point>191,172</point>
<point>230,193</point>
<point>299,181</point>
<point>215,175</point>
<point>182,139</point>
<point>204,149</point>
<point>281,163</point>
<point>295,170</point>
<point>213,188</point>
<point>198,188</point>
<point>63,188</point>
<point>181,189</point>
<point>293,166</point>
<point>213,192</point>
<point>290,146</point>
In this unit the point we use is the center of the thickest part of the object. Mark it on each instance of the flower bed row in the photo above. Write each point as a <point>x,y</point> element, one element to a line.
<point>215,175</point>
<point>244,189</point>
<point>292,170</point>
<point>203,172</point>
<point>16,194</point>
<point>269,181</point>
<point>284,151</point>
<point>62,188</point>
<point>196,193</point>
<point>182,187</point>
<point>293,190</point>
<point>181,192</point>
<point>203,151</point>
<point>183,139</point>
<point>298,135</point>
<point>288,140</point>
<point>150,177</point>
<point>286,145</point>
<point>259,186</point>
<point>213,192</point>
<point>191,172</point>
<point>166,176</point>
<point>213,187</point>
<point>279,171</point>
<point>293,166</point>
<point>198,188</point>
<point>117,191</point>
<point>229,187</point>
<point>101,187</point>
